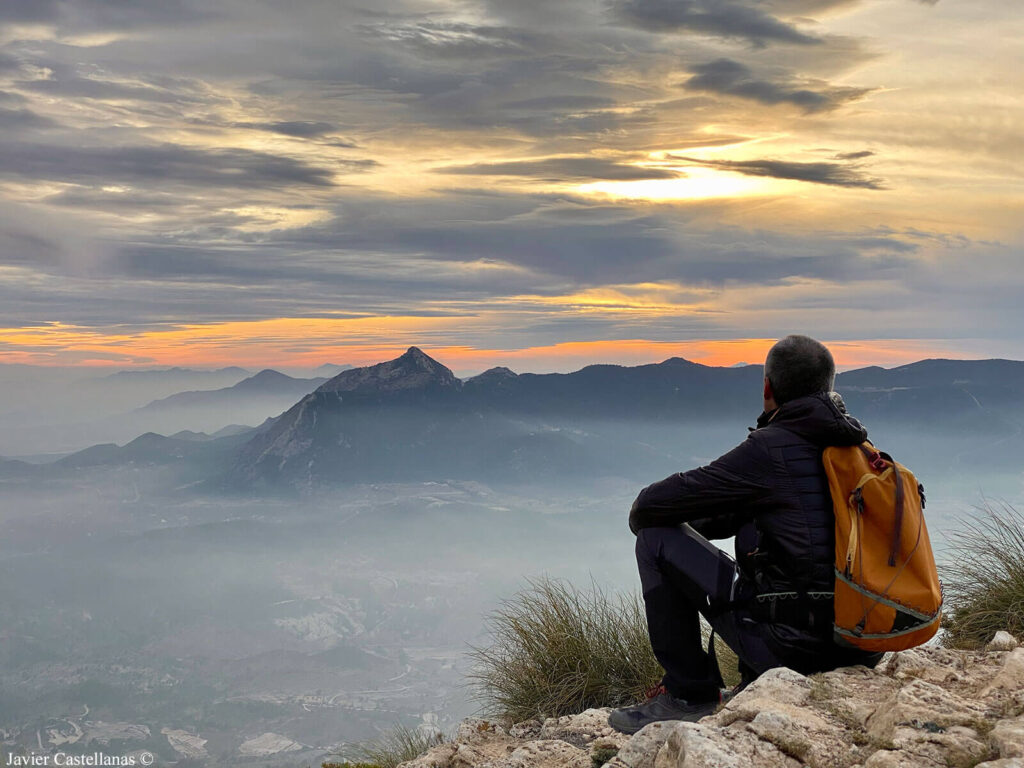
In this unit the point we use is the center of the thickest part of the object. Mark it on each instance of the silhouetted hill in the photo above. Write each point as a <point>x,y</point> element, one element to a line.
<point>673,389</point>
<point>939,372</point>
<point>206,455</point>
<point>327,370</point>
<point>15,468</point>
<point>178,374</point>
<point>265,384</point>
<point>411,418</point>
<point>939,395</point>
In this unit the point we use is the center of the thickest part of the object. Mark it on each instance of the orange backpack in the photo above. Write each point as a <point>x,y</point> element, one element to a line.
<point>887,594</point>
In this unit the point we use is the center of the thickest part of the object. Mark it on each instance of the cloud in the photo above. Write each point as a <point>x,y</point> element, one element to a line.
<point>300,129</point>
<point>106,14</point>
<point>63,82</point>
<point>23,119</point>
<point>229,168</point>
<point>586,244</point>
<point>860,155</point>
<point>719,18</point>
<point>496,95</point>
<point>809,7</point>
<point>555,169</point>
<point>28,10</point>
<point>452,39</point>
<point>561,102</point>
<point>8,63</point>
<point>731,78</point>
<point>116,200</point>
<point>832,174</point>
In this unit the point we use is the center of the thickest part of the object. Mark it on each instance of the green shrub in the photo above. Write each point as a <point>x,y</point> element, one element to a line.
<point>397,746</point>
<point>557,650</point>
<point>984,584</point>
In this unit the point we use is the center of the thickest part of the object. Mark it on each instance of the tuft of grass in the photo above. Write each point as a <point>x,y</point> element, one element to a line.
<point>602,755</point>
<point>984,592</point>
<point>397,746</point>
<point>794,747</point>
<point>557,650</point>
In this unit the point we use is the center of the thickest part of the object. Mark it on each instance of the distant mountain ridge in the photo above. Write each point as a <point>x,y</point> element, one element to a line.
<point>266,383</point>
<point>155,373</point>
<point>412,418</point>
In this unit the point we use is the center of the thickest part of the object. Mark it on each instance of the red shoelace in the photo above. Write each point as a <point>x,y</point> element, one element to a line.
<point>657,690</point>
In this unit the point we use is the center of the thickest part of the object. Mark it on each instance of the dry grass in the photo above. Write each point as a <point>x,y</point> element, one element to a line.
<point>557,650</point>
<point>397,746</point>
<point>984,589</point>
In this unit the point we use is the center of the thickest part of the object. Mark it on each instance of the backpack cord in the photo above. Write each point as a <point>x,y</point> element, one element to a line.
<point>897,524</point>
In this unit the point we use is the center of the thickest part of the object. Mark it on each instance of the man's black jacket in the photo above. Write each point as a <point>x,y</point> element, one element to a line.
<point>775,481</point>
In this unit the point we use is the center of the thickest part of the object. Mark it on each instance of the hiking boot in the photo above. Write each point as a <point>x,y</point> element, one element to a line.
<point>664,706</point>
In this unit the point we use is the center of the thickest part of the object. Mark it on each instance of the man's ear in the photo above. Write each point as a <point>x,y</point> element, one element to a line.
<point>768,394</point>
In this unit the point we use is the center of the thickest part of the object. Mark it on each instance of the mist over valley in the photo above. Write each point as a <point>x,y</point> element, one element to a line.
<point>271,586</point>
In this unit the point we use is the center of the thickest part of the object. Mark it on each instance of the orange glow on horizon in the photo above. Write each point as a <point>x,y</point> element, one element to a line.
<point>309,342</point>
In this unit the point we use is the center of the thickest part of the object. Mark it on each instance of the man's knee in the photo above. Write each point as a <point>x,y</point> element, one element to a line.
<point>648,547</point>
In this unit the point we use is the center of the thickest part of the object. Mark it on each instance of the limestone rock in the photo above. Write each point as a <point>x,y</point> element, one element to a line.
<point>777,690</point>
<point>691,746</point>
<point>641,750</point>
<point>1011,676</point>
<point>582,729</point>
<point>1008,737</point>
<point>922,702</point>
<point>1003,641</point>
<point>929,707</point>
<point>956,746</point>
<point>935,665</point>
<point>782,684</point>
<point>885,758</point>
<point>437,757</point>
<point>548,753</point>
<point>850,695</point>
<point>528,729</point>
<point>474,729</point>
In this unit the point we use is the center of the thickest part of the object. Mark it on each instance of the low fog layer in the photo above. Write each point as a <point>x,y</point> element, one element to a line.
<point>148,602</point>
<point>59,410</point>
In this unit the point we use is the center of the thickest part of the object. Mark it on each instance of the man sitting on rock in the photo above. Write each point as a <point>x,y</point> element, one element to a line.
<point>773,604</point>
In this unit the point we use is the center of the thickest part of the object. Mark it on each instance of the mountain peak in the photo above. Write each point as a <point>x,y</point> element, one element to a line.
<point>269,374</point>
<point>679,361</point>
<point>498,377</point>
<point>414,369</point>
<point>268,379</point>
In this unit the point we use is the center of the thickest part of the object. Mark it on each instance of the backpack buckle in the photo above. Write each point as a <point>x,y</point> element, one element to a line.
<point>876,461</point>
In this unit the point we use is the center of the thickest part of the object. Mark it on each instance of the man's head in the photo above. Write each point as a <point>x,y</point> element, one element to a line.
<point>797,366</point>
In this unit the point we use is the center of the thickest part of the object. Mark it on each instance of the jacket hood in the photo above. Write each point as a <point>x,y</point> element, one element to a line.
<point>820,418</point>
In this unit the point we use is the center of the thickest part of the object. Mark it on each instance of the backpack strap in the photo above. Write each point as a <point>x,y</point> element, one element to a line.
<point>877,460</point>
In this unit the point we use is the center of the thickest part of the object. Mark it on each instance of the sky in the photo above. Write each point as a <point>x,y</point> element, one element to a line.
<point>527,183</point>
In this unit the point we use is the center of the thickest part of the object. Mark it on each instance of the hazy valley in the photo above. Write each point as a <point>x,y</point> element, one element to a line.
<point>274,592</point>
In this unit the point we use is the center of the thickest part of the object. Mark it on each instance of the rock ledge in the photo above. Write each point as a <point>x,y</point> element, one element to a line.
<point>924,708</point>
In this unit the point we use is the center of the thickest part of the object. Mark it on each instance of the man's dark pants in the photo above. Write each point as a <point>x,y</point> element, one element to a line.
<point>684,576</point>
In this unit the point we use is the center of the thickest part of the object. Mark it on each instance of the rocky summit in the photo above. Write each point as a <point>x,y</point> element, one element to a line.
<point>929,707</point>
<point>412,370</point>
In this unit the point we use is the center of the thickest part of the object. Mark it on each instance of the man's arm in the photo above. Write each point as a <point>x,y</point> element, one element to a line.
<point>718,495</point>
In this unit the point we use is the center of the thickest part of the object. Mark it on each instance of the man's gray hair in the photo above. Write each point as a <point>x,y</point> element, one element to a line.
<point>797,366</point>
